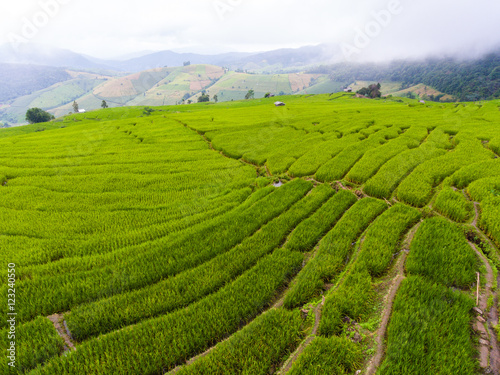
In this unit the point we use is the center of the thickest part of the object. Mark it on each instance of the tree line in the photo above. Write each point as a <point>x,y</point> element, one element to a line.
<point>467,80</point>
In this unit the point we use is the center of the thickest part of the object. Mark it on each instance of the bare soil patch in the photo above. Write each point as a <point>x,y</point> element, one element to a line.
<point>59,325</point>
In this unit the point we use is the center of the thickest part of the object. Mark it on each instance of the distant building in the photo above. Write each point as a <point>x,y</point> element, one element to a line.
<point>348,89</point>
<point>422,101</point>
<point>279,104</point>
<point>81,111</point>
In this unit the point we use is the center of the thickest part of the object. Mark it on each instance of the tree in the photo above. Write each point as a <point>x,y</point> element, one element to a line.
<point>186,63</point>
<point>104,104</point>
<point>372,91</point>
<point>203,98</point>
<point>268,95</point>
<point>36,115</point>
<point>216,99</point>
<point>75,107</point>
<point>250,94</point>
<point>147,111</point>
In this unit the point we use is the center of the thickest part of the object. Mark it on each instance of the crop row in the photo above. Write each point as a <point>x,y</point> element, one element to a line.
<point>476,171</point>
<point>149,264</point>
<point>34,343</point>
<point>416,189</point>
<point>482,189</point>
<point>334,251</point>
<point>390,175</point>
<point>487,191</point>
<point>337,168</point>
<point>441,253</point>
<point>126,182</point>
<point>257,349</point>
<point>382,237</point>
<point>353,296</point>
<point>93,261</point>
<point>160,344</point>
<point>332,355</point>
<point>429,330</point>
<point>30,252</point>
<point>373,159</point>
<point>34,223</point>
<point>186,287</point>
<point>309,232</point>
<point>285,154</point>
<point>318,155</point>
<point>453,205</point>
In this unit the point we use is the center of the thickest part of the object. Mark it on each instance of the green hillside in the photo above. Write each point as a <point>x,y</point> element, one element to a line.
<point>51,98</point>
<point>161,86</point>
<point>349,229</point>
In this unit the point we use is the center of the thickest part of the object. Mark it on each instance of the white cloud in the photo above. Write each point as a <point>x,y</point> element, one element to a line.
<point>113,27</point>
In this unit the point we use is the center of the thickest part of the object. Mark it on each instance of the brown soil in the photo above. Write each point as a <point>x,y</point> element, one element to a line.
<point>299,81</point>
<point>198,85</point>
<point>380,334</point>
<point>489,351</point>
<point>58,321</point>
<point>476,210</point>
<point>117,87</point>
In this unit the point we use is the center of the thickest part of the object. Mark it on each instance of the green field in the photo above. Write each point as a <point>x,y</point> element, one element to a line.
<point>248,230</point>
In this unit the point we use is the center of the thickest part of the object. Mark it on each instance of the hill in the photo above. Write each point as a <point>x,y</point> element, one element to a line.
<point>18,80</point>
<point>74,86</point>
<point>434,80</point>
<point>297,58</point>
<point>38,54</point>
<point>465,80</point>
<point>159,86</point>
<point>265,238</point>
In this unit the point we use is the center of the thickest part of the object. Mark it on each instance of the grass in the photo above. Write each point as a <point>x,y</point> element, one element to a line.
<point>383,236</point>
<point>35,343</point>
<point>187,287</point>
<point>429,331</point>
<point>159,234</point>
<point>334,355</point>
<point>439,242</point>
<point>453,205</point>
<point>334,251</point>
<point>257,349</point>
<point>309,232</point>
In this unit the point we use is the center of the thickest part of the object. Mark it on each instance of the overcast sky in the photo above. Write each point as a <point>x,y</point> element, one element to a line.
<point>395,28</point>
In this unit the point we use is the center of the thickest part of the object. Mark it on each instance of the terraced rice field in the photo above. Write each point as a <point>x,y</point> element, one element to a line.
<point>329,236</point>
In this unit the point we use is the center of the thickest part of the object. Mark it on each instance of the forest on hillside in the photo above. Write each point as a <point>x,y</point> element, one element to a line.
<point>467,80</point>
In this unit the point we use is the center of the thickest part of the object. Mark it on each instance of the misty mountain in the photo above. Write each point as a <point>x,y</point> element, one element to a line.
<point>19,79</point>
<point>294,57</point>
<point>282,58</point>
<point>38,54</point>
<point>170,58</point>
<point>465,79</point>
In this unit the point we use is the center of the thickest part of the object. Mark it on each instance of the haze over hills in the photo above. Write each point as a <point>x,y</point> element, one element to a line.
<point>282,58</point>
<point>52,78</point>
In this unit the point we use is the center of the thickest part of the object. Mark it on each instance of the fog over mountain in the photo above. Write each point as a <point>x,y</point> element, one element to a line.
<point>366,30</point>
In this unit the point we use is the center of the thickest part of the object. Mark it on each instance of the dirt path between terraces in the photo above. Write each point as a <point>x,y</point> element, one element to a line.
<point>59,325</point>
<point>317,317</point>
<point>489,351</point>
<point>389,301</point>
